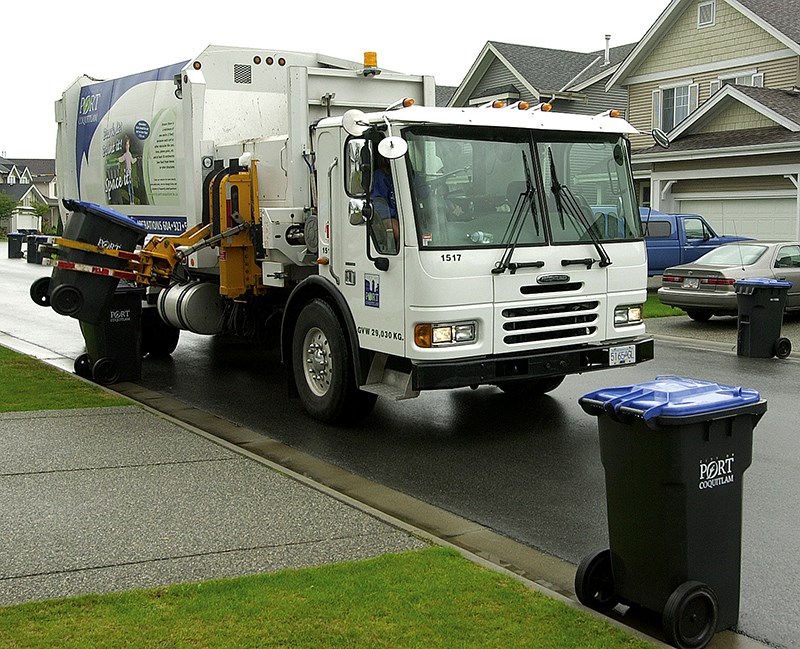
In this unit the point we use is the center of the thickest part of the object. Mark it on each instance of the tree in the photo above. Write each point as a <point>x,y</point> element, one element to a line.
<point>7,206</point>
<point>41,209</point>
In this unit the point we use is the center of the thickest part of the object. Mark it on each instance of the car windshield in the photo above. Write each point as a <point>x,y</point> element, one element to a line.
<point>476,187</point>
<point>742,254</point>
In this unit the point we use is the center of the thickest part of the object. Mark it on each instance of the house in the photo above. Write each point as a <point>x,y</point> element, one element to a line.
<point>29,182</point>
<point>721,77</point>
<point>571,81</point>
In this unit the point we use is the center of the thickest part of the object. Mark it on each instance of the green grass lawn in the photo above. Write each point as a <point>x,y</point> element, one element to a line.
<point>28,384</point>
<point>429,598</point>
<point>654,309</point>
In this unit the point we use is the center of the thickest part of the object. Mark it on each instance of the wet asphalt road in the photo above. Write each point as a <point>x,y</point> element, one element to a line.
<point>527,469</point>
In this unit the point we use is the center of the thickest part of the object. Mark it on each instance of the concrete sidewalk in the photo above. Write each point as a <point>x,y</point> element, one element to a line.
<point>112,499</point>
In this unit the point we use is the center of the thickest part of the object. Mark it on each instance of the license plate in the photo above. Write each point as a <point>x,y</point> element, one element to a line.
<point>624,355</point>
<point>691,282</point>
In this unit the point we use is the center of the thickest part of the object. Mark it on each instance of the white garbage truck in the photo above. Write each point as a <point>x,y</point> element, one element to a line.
<point>388,246</point>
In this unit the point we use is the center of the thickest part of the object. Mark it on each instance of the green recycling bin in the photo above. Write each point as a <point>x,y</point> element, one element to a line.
<point>674,451</point>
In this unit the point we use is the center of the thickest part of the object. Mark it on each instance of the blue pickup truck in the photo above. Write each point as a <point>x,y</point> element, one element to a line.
<point>674,239</point>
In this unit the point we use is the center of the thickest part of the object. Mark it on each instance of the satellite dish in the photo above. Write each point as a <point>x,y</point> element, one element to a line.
<point>392,147</point>
<point>355,122</point>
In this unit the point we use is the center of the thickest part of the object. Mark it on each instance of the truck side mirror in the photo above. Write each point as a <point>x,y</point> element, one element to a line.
<point>358,167</point>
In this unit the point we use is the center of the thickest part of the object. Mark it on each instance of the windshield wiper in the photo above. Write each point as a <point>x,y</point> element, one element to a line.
<point>566,202</point>
<point>514,228</point>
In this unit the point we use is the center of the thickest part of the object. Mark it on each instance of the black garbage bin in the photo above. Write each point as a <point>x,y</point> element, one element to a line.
<point>82,295</point>
<point>113,346</point>
<point>33,255</point>
<point>674,452</point>
<point>15,240</point>
<point>760,302</point>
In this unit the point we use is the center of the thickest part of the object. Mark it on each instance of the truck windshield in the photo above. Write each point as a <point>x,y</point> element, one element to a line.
<point>471,188</point>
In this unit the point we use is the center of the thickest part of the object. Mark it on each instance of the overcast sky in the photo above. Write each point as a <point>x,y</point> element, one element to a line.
<point>47,46</point>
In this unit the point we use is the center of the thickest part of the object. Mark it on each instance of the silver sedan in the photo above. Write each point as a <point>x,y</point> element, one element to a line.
<point>705,287</point>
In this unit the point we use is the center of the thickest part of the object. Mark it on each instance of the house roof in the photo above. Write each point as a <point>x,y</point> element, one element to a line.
<point>543,71</point>
<point>18,191</point>
<point>777,17</point>
<point>40,168</point>
<point>444,94</point>
<point>780,106</point>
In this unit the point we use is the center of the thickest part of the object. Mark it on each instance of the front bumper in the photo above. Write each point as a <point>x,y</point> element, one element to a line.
<point>496,369</point>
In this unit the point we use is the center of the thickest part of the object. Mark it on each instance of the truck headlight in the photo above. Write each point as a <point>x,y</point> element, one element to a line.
<point>428,335</point>
<point>628,315</point>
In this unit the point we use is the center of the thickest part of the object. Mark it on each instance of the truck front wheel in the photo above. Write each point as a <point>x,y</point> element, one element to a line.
<point>322,368</point>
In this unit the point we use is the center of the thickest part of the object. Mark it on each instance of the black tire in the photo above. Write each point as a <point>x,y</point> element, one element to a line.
<point>531,387</point>
<point>594,582</point>
<point>322,367</point>
<point>105,371</point>
<point>40,291</point>
<point>83,366</point>
<point>66,300</point>
<point>159,339</point>
<point>698,315</point>
<point>690,616</point>
<point>783,347</point>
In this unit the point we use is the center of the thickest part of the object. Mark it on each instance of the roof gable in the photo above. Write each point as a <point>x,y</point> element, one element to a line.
<point>775,17</point>
<point>539,70</point>
<point>779,107</point>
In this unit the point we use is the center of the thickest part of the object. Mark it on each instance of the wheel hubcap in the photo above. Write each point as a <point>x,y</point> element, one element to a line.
<point>318,362</point>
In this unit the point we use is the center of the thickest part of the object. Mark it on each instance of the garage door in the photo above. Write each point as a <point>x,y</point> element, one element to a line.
<point>760,218</point>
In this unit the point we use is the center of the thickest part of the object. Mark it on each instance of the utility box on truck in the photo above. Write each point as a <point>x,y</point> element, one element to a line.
<point>388,245</point>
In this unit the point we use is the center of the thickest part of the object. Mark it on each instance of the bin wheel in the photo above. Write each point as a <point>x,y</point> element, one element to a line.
<point>783,347</point>
<point>594,582</point>
<point>690,616</point>
<point>66,300</point>
<point>83,366</point>
<point>105,371</point>
<point>40,291</point>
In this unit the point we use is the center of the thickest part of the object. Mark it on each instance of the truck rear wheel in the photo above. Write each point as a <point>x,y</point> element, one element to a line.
<point>159,339</point>
<point>322,367</point>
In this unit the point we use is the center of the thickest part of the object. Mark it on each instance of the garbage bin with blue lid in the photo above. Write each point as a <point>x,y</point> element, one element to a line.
<point>674,451</point>
<point>15,240</point>
<point>760,302</point>
<point>82,295</point>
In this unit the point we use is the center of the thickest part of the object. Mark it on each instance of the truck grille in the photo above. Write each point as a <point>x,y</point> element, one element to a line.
<point>552,322</point>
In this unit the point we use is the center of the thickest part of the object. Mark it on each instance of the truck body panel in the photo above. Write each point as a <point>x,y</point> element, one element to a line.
<point>509,249</point>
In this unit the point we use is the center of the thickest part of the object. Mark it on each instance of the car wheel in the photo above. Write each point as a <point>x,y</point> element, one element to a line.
<point>698,315</point>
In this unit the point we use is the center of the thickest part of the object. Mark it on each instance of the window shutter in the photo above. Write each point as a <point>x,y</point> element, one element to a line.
<point>758,80</point>
<point>656,123</point>
<point>713,86</point>
<point>694,97</point>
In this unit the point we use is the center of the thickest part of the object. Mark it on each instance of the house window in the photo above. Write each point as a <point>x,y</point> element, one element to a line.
<point>674,104</point>
<point>752,78</point>
<point>706,14</point>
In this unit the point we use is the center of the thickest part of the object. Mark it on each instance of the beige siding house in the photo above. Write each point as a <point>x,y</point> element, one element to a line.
<point>721,78</point>
<point>572,82</point>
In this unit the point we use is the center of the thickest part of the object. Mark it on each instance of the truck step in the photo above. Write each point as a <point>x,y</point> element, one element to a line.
<point>385,382</point>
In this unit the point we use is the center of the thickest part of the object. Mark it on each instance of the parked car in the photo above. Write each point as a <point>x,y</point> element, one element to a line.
<point>674,239</point>
<point>705,287</point>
